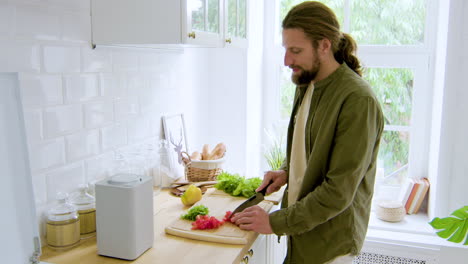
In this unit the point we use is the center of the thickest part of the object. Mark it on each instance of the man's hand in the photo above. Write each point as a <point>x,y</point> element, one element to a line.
<point>278,178</point>
<point>253,218</point>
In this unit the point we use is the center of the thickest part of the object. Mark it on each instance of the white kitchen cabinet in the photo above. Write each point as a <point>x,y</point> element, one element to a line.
<point>276,250</point>
<point>257,254</point>
<point>235,23</point>
<point>175,23</point>
<point>158,23</point>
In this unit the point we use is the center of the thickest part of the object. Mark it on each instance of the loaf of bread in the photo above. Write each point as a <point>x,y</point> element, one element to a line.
<point>196,156</point>
<point>218,151</point>
<point>206,154</point>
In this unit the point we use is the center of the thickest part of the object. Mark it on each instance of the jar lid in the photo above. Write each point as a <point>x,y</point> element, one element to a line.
<point>63,210</point>
<point>84,201</point>
<point>124,179</point>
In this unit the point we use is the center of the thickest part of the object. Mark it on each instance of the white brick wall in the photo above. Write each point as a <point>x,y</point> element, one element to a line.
<point>41,90</point>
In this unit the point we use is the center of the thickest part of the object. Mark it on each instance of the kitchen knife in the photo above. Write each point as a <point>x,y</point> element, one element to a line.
<point>253,200</point>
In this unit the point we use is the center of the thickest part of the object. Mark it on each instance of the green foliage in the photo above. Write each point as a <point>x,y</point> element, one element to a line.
<point>394,90</point>
<point>454,229</point>
<point>388,22</point>
<point>232,18</point>
<point>236,185</point>
<point>276,152</point>
<point>242,17</point>
<point>194,211</point>
<point>213,16</point>
<point>380,22</point>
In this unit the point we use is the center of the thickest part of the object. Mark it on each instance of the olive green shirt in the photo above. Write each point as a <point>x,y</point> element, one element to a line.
<point>342,136</point>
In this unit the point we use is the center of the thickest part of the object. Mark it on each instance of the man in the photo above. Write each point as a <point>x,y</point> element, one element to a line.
<point>333,141</point>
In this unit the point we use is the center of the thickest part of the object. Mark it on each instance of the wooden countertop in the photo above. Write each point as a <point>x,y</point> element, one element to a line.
<point>166,248</point>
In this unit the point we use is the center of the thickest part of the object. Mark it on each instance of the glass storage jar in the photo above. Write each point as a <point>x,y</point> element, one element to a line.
<point>63,224</point>
<point>86,206</point>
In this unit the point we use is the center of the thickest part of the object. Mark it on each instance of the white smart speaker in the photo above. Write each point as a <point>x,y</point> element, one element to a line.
<point>124,216</point>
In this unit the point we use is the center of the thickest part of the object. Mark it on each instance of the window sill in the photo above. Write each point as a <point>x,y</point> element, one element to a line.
<point>413,230</point>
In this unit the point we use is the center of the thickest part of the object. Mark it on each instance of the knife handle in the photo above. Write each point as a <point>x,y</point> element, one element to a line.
<point>263,191</point>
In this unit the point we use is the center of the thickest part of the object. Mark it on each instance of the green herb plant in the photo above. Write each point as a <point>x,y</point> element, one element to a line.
<point>194,211</point>
<point>237,185</point>
<point>276,153</point>
<point>455,228</point>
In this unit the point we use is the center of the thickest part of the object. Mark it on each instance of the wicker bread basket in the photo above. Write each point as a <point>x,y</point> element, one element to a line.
<point>201,170</point>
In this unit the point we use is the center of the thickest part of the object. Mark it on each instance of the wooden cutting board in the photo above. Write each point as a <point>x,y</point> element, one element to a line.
<point>228,233</point>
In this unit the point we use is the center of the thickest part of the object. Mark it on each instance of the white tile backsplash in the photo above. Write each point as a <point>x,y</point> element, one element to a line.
<point>82,145</point>
<point>136,84</point>
<point>41,90</point>
<point>98,114</point>
<point>113,85</point>
<point>65,179</point>
<point>113,136</point>
<point>150,63</point>
<point>126,108</point>
<point>19,56</point>
<point>59,59</point>
<point>99,167</point>
<point>62,120</point>
<point>47,154</point>
<point>81,88</point>
<point>124,62</point>
<point>96,60</point>
<point>139,129</point>
<point>33,124</point>
<point>108,84</point>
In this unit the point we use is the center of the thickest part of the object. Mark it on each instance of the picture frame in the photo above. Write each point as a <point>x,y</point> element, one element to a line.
<point>175,135</point>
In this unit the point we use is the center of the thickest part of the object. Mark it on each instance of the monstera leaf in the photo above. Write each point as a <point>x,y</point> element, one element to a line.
<point>455,228</point>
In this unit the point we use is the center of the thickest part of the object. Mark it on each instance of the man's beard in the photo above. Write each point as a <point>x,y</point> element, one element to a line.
<point>307,75</point>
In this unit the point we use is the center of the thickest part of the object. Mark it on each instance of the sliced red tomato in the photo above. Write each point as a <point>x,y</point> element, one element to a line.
<point>203,222</point>
<point>227,216</point>
<point>206,222</point>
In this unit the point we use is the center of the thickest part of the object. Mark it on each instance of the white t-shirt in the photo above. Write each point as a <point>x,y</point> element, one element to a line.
<point>298,162</point>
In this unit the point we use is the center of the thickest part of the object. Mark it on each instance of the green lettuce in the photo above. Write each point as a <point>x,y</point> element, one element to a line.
<point>236,185</point>
<point>194,211</point>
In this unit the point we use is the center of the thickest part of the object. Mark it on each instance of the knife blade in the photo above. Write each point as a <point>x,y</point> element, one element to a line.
<point>253,200</point>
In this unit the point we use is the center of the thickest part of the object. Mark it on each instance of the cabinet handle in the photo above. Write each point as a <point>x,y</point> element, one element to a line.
<point>245,260</point>
<point>191,35</point>
<point>250,252</point>
<point>228,40</point>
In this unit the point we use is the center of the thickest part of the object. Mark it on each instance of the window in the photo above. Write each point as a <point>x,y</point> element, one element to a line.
<point>395,45</point>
